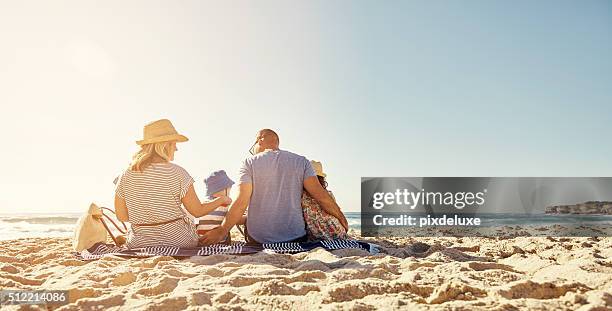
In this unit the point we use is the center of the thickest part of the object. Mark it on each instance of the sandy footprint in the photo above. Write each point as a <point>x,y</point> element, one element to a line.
<point>547,290</point>
<point>153,286</point>
<point>278,287</point>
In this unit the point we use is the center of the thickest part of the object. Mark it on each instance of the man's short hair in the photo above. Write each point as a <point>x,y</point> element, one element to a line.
<point>267,132</point>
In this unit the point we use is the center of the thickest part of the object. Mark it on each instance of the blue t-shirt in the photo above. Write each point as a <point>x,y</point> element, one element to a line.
<point>275,209</point>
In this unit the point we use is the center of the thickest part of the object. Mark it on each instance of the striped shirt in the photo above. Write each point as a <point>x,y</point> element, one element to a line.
<point>213,219</point>
<point>154,196</point>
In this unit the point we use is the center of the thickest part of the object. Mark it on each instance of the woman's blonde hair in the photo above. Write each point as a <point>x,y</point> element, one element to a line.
<point>148,152</point>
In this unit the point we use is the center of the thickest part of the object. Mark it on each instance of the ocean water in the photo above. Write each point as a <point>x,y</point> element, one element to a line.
<point>354,219</point>
<point>15,226</point>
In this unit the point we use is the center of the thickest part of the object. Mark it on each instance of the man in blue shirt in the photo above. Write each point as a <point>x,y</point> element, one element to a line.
<point>270,184</point>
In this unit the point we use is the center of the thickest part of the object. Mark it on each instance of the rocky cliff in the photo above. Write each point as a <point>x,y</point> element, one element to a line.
<point>586,208</point>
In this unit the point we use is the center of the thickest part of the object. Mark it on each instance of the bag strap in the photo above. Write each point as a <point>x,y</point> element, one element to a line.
<point>101,218</point>
<point>109,232</point>
<point>112,221</point>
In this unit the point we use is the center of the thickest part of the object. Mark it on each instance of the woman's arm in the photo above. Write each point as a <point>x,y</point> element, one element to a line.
<point>121,209</point>
<point>198,209</point>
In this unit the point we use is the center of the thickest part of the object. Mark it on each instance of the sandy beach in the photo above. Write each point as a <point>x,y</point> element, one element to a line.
<point>451,274</point>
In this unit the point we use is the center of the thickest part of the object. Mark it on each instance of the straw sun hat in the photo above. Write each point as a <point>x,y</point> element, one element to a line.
<point>318,168</point>
<point>160,131</point>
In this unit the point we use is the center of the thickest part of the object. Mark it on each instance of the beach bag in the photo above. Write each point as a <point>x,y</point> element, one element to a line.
<point>89,229</point>
<point>92,228</point>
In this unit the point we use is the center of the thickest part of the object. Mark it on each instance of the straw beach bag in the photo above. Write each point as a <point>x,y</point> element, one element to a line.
<point>91,228</point>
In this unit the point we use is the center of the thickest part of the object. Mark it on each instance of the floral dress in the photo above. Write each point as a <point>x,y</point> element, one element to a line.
<point>320,225</point>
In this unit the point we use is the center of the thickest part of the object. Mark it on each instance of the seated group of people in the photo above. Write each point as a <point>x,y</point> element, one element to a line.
<point>286,196</point>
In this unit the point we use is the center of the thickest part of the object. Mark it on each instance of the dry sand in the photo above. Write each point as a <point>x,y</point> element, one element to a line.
<point>453,274</point>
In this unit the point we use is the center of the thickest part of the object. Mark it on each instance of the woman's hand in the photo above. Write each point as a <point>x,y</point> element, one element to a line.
<point>225,200</point>
<point>197,209</point>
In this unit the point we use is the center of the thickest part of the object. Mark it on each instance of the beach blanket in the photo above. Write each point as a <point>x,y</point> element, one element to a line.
<point>100,250</point>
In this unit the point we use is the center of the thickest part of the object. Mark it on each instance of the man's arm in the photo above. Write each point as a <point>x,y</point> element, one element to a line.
<point>233,216</point>
<point>314,188</point>
<point>236,210</point>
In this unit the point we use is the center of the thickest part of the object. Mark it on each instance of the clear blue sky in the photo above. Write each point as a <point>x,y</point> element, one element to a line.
<point>385,88</point>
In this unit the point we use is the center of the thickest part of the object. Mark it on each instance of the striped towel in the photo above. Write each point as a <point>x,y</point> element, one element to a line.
<point>100,250</point>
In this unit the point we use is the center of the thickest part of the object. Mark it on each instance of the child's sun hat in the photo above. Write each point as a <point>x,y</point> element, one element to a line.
<point>216,182</point>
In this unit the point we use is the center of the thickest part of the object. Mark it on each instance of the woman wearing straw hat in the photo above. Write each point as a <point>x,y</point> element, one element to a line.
<point>149,194</point>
